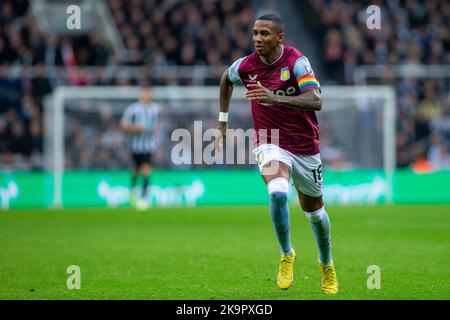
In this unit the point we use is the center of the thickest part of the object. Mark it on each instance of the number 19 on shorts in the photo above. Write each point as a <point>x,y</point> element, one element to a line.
<point>317,174</point>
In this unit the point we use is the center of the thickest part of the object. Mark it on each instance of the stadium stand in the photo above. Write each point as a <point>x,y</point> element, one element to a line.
<point>188,32</point>
<point>413,32</point>
<point>32,64</point>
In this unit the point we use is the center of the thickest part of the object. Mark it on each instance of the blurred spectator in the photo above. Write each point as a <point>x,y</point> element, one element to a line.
<point>438,153</point>
<point>411,31</point>
<point>98,52</point>
<point>40,83</point>
<point>421,163</point>
<point>429,106</point>
<point>48,52</point>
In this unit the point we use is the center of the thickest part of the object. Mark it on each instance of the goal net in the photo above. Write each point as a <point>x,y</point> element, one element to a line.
<point>82,129</point>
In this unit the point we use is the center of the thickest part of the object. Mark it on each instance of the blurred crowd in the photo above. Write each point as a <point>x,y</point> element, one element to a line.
<point>413,32</point>
<point>183,38</point>
<point>185,32</point>
<point>166,33</point>
<point>22,92</point>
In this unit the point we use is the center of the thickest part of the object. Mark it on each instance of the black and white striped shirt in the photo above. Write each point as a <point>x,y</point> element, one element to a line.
<point>146,116</point>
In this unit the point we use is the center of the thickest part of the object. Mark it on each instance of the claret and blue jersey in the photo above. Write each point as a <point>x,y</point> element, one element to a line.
<point>291,74</point>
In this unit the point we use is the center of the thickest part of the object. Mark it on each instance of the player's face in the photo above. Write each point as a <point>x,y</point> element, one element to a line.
<point>146,96</point>
<point>266,36</point>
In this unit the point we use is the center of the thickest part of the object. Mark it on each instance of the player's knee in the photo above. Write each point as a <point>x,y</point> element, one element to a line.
<point>278,189</point>
<point>146,174</point>
<point>146,170</point>
<point>315,216</point>
<point>279,198</point>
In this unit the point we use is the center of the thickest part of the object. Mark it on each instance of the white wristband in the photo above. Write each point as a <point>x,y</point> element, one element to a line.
<point>223,116</point>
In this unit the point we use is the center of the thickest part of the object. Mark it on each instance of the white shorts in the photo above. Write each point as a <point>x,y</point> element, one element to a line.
<point>306,171</point>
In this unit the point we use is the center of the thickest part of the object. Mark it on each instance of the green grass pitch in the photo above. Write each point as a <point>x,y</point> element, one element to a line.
<point>220,253</point>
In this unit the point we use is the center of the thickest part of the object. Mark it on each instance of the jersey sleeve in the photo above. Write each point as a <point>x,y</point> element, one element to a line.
<point>157,113</point>
<point>305,75</point>
<point>233,72</point>
<point>127,117</point>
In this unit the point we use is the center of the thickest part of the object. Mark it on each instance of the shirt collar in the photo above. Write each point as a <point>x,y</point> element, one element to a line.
<point>281,54</point>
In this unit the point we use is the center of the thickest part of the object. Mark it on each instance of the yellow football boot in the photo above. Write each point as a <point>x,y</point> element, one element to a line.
<point>329,279</point>
<point>285,276</point>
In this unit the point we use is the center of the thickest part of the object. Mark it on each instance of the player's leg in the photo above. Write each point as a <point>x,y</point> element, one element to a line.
<point>277,181</point>
<point>307,175</point>
<point>314,210</point>
<point>134,177</point>
<point>275,172</point>
<point>145,170</point>
<point>278,187</point>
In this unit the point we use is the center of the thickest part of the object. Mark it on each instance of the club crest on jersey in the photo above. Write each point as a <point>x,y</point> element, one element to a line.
<point>260,157</point>
<point>285,75</point>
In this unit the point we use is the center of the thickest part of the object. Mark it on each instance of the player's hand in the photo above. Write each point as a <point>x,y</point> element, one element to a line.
<point>221,132</point>
<point>259,93</point>
<point>140,129</point>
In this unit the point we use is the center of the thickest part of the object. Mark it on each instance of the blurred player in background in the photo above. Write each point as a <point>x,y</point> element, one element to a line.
<point>141,122</point>
<point>284,95</point>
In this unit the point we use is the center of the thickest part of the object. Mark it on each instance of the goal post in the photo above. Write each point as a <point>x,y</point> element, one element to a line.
<point>357,126</point>
<point>361,94</point>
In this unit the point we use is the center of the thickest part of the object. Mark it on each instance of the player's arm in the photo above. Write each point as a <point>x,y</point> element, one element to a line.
<point>127,125</point>
<point>132,128</point>
<point>226,90</point>
<point>157,125</point>
<point>229,78</point>
<point>308,101</point>
<point>309,87</point>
